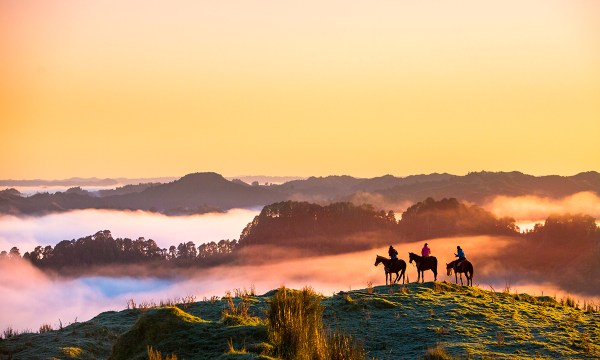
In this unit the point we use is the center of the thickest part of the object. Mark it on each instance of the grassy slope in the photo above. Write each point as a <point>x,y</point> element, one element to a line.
<point>397,324</point>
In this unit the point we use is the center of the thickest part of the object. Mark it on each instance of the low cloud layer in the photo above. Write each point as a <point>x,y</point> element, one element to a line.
<point>534,208</point>
<point>32,298</point>
<point>28,232</point>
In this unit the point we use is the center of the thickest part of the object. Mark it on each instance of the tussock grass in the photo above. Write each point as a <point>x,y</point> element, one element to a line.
<point>235,315</point>
<point>296,329</point>
<point>437,352</point>
<point>232,350</point>
<point>72,352</point>
<point>44,328</point>
<point>471,323</point>
<point>156,355</point>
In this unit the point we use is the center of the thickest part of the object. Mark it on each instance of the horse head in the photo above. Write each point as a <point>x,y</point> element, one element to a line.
<point>448,269</point>
<point>411,257</point>
<point>378,260</point>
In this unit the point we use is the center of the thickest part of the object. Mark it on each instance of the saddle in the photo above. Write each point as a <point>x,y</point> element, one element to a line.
<point>392,263</point>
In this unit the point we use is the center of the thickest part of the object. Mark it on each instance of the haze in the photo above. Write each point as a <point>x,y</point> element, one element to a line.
<point>28,232</point>
<point>141,89</point>
<point>33,298</point>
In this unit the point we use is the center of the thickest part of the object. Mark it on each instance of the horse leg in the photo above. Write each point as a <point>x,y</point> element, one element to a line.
<point>461,282</point>
<point>456,277</point>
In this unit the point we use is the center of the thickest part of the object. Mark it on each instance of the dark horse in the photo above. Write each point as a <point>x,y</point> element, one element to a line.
<point>391,267</point>
<point>465,267</point>
<point>424,263</point>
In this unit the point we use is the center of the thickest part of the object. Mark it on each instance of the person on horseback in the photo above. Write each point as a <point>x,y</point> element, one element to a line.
<point>425,251</point>
<point>460,254</point>
<point>393,253</point>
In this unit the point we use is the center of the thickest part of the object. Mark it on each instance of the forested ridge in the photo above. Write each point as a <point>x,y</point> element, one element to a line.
<point>330,229</point>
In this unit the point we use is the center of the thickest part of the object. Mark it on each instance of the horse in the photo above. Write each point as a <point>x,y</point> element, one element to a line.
<point>424,263</point>
<point>465,267</point>
<point>390,266</point>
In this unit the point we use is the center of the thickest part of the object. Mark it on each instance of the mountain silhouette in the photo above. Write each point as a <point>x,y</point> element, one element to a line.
<point>209,192</point>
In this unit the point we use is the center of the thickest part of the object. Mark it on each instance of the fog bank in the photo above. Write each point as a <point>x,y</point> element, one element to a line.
<point>32,298</point>
<point>533,207</point>
<point>28,232</point>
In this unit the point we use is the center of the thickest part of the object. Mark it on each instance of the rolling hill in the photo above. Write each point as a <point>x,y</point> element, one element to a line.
<point>398,322</point>
<point>210,192</point>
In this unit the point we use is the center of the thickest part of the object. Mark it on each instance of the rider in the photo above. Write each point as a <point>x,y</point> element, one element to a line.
<point>393,253</point>
<point>460,254</point>
<point>425,251</point>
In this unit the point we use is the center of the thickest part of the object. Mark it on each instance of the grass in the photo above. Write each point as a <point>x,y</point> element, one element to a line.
<point>437,352</point>
<point>296,329</point>
<point>157,355</point>
<point>413,321</point>
<point>72,352</point>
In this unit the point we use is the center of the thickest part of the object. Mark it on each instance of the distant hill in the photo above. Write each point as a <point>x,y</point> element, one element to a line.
<point>206,192</point>
<point>399,322</point>
<point>479,187</point>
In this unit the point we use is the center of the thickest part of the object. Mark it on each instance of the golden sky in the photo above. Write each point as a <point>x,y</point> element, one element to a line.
<point>364,88</point>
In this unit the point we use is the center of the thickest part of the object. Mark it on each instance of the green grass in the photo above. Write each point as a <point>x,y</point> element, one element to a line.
<point>414,322</point>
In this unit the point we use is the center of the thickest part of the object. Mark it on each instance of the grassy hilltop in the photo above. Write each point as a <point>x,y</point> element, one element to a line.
<point>402,322</point>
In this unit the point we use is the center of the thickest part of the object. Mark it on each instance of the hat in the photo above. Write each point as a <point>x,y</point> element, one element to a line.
<point>458,247</point>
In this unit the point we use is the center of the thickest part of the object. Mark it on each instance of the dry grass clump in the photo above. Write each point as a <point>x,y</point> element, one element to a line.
<point>45,328</point>
<point>296,329</point>
<point>72,352</point>
<point>156,355</point>
<point>370,287</point>
<point>233,315</point>
<point>437,352</point>
<point>9,332</point>
<point>232,350</point>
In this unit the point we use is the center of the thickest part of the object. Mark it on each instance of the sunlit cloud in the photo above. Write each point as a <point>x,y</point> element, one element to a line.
<point>531,208</point>
<point>28,232</point>
<point>35,298</point>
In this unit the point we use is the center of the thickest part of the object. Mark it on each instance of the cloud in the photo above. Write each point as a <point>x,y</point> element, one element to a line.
<point>535,208</point>
<point>28,232</point>
<point>380,202</point>
<point>33,298</point>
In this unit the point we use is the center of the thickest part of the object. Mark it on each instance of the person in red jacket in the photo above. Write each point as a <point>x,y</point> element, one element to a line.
<point>425,251</point>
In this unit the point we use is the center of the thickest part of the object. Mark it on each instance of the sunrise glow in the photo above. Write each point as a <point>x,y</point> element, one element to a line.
<point>137,88</point>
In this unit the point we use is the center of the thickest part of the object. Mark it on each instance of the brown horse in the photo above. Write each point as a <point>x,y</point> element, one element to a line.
<point>390,266</point>
<point>424,263</point>
<point>465,267</point>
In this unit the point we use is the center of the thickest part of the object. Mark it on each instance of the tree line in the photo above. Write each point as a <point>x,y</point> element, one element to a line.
<point>101,249</point>
<point>334,228</point>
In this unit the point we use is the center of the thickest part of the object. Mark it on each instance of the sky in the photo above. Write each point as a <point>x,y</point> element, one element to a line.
<point>138,88</point>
